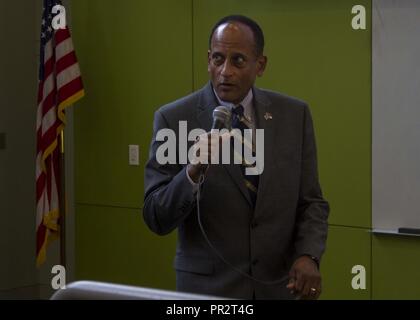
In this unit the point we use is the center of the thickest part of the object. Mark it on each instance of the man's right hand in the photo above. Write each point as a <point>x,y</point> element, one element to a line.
<point>194,171</point>
<point>204,151</point>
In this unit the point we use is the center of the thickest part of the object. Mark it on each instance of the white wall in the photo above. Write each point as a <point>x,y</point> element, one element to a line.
<point>396,114</point>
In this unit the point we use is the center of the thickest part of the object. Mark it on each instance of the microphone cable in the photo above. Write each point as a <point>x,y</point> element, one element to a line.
<point>217,252</point>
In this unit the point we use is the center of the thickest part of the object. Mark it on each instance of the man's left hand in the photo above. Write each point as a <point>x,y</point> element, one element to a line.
<point>305,279</point>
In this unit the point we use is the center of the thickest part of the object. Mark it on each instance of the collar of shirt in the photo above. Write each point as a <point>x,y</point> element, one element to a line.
<point>246,103</point>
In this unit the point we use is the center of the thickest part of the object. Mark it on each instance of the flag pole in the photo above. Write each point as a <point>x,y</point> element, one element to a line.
<point>62,200</point>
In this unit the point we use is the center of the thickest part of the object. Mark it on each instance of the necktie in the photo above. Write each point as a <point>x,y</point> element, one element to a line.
<point>251,181</point>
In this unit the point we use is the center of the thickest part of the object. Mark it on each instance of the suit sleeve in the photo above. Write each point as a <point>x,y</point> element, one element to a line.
<point>313,209</point>
<point>169,196</point>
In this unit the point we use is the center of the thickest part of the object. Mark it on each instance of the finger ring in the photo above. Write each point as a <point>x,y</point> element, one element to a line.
<point>313,290</point>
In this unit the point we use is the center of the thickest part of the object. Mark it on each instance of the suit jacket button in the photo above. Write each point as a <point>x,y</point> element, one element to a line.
<point>255,262</point>
<point>254,224</point>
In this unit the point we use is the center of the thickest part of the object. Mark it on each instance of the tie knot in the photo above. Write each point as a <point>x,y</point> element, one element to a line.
<point>238,110</point>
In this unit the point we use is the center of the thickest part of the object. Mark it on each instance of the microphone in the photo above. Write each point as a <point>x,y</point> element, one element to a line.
<point>221,118</point>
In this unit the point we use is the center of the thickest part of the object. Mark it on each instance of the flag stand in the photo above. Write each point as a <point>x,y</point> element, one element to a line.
<point>62,201</point>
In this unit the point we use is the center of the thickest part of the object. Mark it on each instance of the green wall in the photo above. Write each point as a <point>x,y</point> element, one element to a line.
<point>152,52</point>
<point>129,55</point>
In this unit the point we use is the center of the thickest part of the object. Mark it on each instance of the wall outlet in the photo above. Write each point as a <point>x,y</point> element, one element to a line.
<point>133,154</point>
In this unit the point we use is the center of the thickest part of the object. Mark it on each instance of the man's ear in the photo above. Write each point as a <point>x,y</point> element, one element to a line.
<point>208,60</point>
<point>261,64</point>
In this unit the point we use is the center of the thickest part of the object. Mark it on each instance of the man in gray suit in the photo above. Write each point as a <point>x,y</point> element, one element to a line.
<point>273,229</point>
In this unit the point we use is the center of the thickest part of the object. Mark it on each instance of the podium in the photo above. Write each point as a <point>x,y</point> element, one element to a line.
<point>93,290</point>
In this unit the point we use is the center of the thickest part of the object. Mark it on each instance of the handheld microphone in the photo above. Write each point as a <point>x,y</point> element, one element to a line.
<point>221,118</point>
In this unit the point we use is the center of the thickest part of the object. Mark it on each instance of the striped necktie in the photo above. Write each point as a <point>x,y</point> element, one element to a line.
<point>251,181</point>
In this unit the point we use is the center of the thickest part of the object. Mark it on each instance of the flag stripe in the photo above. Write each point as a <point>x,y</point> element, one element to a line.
<point>70,88</point>
<point>70,73</point>
<point>48,120</point>
<point>49,138</point>
<point>48,68</point>
<point>40,184</point>
<point>60,35</point>
<point>66,61</point>
<point>64,48</point>
<point>48,103</point>
<point>48,51</point>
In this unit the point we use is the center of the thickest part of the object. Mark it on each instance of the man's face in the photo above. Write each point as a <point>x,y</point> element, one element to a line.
<point>232,61</point>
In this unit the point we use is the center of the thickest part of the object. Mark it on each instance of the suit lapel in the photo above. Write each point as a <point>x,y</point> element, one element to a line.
<point>264,121</point>
<point>206,106</point>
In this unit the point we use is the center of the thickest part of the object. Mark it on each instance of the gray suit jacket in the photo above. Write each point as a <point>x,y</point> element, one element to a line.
<point>290,217</point>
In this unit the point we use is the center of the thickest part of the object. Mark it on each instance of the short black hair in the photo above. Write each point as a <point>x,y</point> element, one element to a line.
<point>256,30</point>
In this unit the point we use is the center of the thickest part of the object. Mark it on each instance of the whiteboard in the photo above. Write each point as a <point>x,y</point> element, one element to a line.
<point>395,114</point>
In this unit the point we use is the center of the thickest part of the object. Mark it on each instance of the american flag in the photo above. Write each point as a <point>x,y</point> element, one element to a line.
<point>60,85</point>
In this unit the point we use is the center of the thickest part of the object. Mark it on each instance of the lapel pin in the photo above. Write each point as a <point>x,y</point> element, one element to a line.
<point>268,116</point>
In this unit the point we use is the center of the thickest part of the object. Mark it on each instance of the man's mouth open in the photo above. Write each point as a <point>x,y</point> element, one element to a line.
<point>226,86</point>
